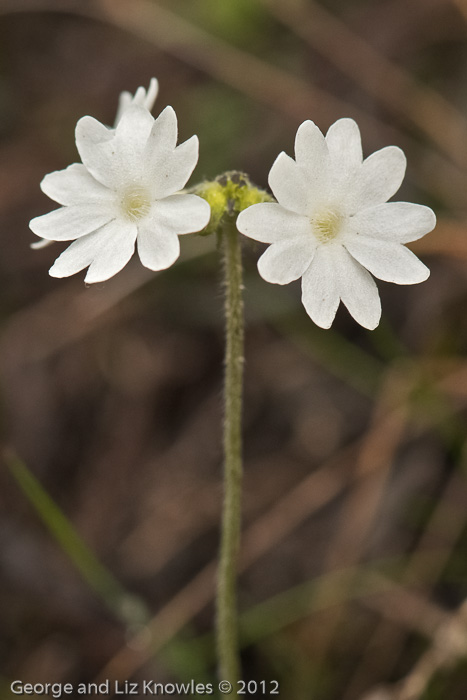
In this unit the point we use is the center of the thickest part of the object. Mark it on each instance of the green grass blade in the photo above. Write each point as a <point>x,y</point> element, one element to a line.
<point>124,606</point>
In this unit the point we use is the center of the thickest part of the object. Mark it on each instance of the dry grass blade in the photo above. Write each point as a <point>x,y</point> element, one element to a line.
<point>261,81</point>
<point>461,6</point>
<point>250,75</point>
<point>273,86</point>
<point>313,493</point>
<point>162,628</point>
<point>449,238</point>
<point>376,74</point>
<point>66,315</point>
<point>449,645</point>
<point>85,8</point>
<point>374,461</point>
<point>418,573</point>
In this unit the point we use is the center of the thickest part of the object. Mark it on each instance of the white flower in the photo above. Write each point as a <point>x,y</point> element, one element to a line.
<point>126,191</point>
<point>332,223</point>
<point>141,97</point>
<point>125,100</point>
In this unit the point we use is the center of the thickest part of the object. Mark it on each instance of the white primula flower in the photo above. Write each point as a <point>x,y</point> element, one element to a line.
<point>142,97</point>
<point>332,224</point>
<point>126,191</point>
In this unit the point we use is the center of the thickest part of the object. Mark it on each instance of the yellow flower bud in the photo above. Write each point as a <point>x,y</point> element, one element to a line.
<point>228,195</point>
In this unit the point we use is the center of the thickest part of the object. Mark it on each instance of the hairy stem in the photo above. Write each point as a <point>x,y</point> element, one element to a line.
<point>227,633</point>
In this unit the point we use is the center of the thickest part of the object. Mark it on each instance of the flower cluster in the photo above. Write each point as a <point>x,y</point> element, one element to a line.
<point>331,224</point>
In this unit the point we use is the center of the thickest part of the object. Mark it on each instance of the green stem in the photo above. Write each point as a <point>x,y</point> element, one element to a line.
<point>227,633</point>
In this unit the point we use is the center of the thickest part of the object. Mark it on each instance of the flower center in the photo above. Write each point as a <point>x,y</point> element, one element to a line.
<point>136,203</point>
<point>326,225</point>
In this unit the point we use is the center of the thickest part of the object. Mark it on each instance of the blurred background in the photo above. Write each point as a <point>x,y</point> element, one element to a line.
<point>353,567</point>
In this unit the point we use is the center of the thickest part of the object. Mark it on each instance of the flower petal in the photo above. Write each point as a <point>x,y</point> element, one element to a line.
<point>68,223</point>
<point>288,183</point>
<point>124,101</point>
<point>74,185</point>
<point>41,243</point>
<point>379,179</point>
<point>151,94</point>
<point>345,144</point>
<point>158,247</point>
<point>172,173</point>
<point>311,150</point>
<point>358,291</point>
<point>131,138</point>
<point>345,154</point>
<point>320,293</point>
<point>312,155</point>
<point>141,97</point>
<point>162,141</point>
<point>181,213</point>
<point>270,222</point>
<point>286,261</point>
<point>388,261</point>
<point>333,276</point>
<point>165,129</point>
<point>107,251</point>
<point>397,221</point>
<point>96,147</point>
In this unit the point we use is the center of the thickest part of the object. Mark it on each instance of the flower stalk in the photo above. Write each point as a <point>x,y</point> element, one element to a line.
<point>226,631</point>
